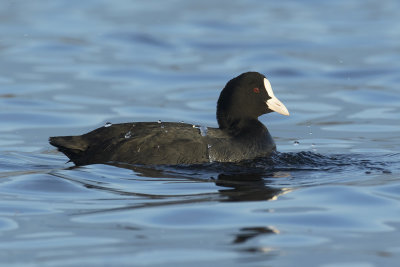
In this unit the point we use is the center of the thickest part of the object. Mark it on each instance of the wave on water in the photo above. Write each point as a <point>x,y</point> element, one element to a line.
<point>261,178</point>
<point>304,167</point>
<point>307,160</point>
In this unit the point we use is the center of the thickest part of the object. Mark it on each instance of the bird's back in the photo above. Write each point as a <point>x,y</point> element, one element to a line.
<point>154,143</point>
<point>136,143</point>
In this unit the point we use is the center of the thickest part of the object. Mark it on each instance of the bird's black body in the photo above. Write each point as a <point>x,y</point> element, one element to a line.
<point>240,134</point>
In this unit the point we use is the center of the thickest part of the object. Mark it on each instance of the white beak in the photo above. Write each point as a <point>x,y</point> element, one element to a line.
<point>275,105</point>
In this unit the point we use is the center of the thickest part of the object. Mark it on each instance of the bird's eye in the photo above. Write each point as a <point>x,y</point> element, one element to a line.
<point>256,90</point>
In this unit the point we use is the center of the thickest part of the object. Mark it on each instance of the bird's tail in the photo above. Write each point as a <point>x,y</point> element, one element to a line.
<point>72,146</point>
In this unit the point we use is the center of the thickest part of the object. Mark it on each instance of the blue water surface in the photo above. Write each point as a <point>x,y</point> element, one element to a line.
<point>330,197</point>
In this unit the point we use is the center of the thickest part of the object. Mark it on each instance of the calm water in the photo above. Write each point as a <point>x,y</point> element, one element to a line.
<point>330,197</point>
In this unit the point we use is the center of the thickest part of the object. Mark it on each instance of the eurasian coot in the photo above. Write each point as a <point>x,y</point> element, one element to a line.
<point>240,135</point>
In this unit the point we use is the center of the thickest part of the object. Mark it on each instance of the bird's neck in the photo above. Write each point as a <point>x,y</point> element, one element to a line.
<point>240,126</point>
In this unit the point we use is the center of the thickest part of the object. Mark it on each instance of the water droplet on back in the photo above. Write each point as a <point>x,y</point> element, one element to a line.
<point>203,130</point>
<point>128,135</point>
<point>210,158</point>
<point>108,124</point>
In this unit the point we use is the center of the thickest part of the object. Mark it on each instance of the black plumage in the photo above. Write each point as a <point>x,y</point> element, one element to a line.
<point>240,134</point>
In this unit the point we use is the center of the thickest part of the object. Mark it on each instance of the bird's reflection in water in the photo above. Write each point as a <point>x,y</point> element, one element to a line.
<point>246,187</point>
<point>248,233</point>
<point>250,187</point>
<point>233,186</point>
<point>237,186</point>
